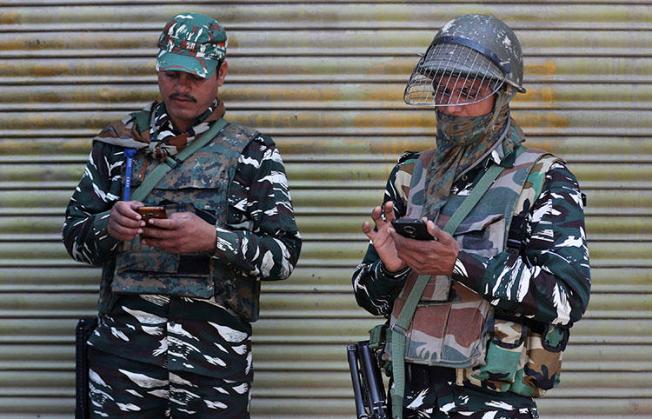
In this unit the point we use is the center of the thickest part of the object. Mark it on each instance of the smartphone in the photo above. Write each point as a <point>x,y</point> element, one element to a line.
<point>412,228</point>
<point>152,212</point>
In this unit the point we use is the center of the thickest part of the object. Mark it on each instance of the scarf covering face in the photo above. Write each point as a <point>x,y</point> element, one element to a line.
<point>462,143</point>
<point>165,139</point>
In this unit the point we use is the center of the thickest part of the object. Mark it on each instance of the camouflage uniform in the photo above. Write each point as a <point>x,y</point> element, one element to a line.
<point>170,349</point>
<point>174,334</point>
<point>548,282</point>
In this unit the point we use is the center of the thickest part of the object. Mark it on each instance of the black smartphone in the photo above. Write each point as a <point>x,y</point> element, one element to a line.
<point>412,228</point>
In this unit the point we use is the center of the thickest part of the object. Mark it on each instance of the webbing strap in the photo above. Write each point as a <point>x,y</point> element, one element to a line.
<point>399,329</point>
<point>171,162</point>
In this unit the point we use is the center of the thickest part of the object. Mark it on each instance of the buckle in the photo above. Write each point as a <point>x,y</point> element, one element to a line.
<point>398,329</point>
<point>172,161</point>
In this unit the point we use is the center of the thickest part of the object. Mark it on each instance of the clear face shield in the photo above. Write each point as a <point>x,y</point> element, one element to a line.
<point>452,75</point>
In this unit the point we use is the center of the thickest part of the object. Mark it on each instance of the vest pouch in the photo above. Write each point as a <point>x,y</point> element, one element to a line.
<point>236,290</point>
<point>505,352</point>
<point>143,269</point>
<point>543,365</point>
<point>483,237</point>
<point>450,334</point>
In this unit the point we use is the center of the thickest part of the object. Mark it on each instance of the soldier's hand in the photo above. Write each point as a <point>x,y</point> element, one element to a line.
<point>382,239</point>
<point>429,257</point>
<point>124,222</point>
<point>182,232</point>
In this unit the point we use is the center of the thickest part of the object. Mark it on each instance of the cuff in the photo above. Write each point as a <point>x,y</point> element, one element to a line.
<point>469,270</point>
<point>383,274</point>
<point>101,230</point>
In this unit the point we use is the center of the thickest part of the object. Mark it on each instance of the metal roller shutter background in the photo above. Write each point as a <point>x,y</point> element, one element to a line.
<point>325,79</point>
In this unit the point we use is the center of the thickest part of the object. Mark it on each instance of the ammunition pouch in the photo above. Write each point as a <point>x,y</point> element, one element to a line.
<point>449,334</point>
<point>522,359</point>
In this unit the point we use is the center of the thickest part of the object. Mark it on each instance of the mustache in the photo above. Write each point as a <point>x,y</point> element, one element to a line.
<point>182,96</point>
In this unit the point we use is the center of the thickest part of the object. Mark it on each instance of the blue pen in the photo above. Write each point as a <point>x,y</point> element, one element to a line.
<point>129,159</point>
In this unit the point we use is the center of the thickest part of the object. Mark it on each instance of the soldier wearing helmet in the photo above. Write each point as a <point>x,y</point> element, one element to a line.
<point>478,315</point>
<point>179,293</point>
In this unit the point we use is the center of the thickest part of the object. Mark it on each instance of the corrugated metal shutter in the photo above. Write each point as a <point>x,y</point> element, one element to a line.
<point>326,80</point>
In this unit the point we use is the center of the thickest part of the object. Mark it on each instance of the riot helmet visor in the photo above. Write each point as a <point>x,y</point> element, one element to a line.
<point>452,75</point>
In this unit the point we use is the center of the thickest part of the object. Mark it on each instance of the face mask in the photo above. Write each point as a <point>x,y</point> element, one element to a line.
<point>455,131</point>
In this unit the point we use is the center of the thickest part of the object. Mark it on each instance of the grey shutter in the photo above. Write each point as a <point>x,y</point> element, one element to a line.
<point>325,80</point>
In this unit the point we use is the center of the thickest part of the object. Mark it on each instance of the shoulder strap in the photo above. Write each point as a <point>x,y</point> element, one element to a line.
<point>407,312</point>
<point>141,119</point>
<point>171,162</point>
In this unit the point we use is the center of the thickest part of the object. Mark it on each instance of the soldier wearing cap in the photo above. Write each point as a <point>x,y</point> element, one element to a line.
<point>178,294</point>
<point>478,317</point>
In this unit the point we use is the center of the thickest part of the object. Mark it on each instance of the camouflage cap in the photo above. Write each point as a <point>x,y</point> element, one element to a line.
<point>193,43</point>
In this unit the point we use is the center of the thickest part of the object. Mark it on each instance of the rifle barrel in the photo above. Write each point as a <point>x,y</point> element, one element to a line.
<point>353,357</point>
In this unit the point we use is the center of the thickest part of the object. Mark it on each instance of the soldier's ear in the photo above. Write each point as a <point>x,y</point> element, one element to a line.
<point>222,72</point>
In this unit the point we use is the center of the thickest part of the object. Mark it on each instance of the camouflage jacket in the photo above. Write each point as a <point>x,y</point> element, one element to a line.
<point>549,281</point>
<point>261,239</point>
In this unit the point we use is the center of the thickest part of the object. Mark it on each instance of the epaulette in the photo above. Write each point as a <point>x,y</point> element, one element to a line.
<point>408,155</point>
<point>266,139</point>
<point>141,119</point>
<point>252,134</point>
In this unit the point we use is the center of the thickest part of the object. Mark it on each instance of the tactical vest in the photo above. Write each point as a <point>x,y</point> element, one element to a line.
<point>200,184</point>
<point>454,326</point>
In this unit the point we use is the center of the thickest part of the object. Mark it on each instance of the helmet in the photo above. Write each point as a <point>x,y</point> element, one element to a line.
<point>471,58</point>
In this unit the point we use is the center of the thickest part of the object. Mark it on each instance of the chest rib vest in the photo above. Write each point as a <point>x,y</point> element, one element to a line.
<point>199,184</point>
<point>450,323</point>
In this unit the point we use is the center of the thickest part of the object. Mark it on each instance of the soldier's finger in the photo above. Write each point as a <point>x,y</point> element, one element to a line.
<point>162,223</point>
<point>119,219</point>
<point>123,233</point>
<point>376,214</point>
<point>128,209</point>
<point>388,210</point>
<point>439,234</point>
<point>158,233</point>
<point>367,228</point>
<point>134,205</point>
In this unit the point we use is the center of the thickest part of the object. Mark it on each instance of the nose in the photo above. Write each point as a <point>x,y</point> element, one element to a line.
<point>183,83</point>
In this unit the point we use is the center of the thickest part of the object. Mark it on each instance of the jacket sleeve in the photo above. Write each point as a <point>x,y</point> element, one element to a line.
<point>550,279</point>
<point>262,238</point>
<point>374,287</point>
<point>87,215</point>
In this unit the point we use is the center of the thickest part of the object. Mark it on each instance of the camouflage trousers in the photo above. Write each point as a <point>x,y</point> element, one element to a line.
<point>430,393</point>
<point>154,356</point>
<point>120,388</point>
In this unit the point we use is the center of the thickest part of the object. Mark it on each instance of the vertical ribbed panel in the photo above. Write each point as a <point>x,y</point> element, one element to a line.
<point>325,79</point>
